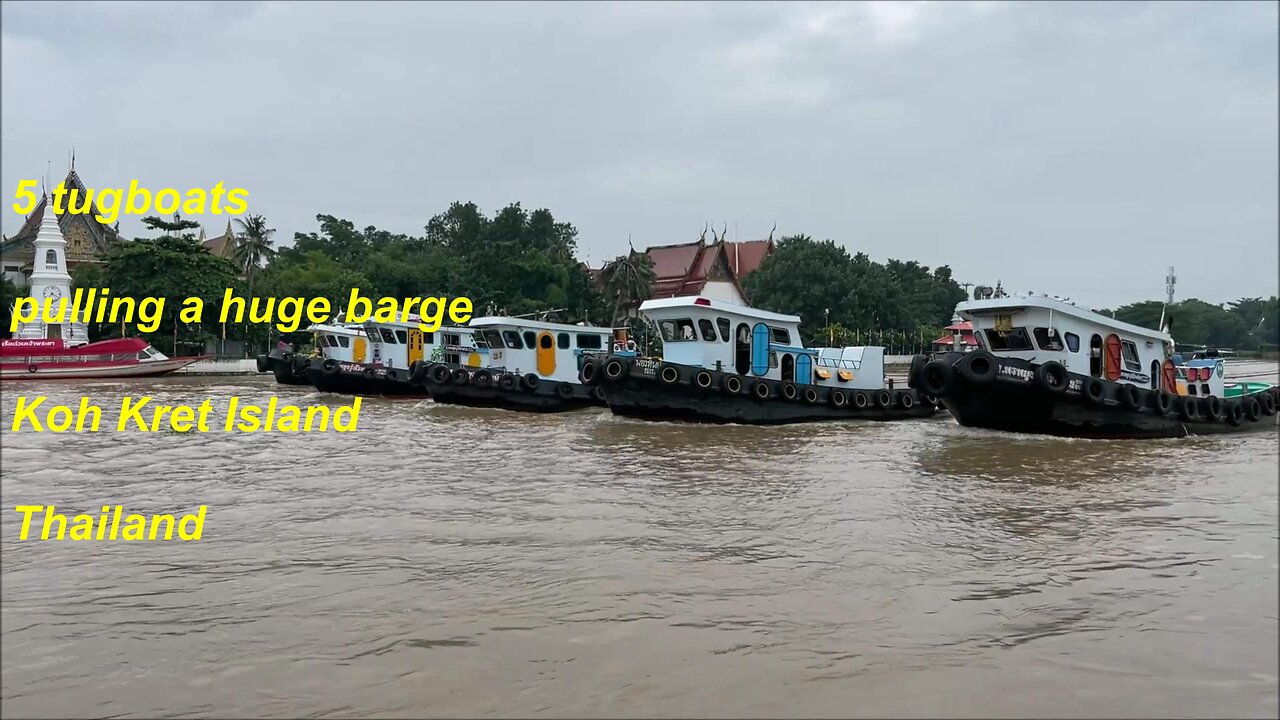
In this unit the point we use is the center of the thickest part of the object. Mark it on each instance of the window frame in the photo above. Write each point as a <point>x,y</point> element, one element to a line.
<point>726,329</point>
<point>1049,335</point>
<point>388,337</point>
<point>677,325</point>
<point>507,336</point>
<point>1134,365</point>
<point>590,338</point>
<point>707,330</point>
<point>530,343</point>
<point>779,335</point>
<point>994,338</point>
<point>402,337</point>
<point>1073,342</point>
<point>562,341</point>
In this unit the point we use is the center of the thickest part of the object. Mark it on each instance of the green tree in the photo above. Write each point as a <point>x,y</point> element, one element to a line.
<point>253,247</point>
<point>627,280</point>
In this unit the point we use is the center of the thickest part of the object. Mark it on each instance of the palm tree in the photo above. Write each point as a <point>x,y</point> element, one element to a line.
<point>253,246</point>
<point>628,279</point>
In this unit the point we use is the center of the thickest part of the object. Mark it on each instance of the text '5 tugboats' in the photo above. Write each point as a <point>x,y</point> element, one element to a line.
<point>1046,366</point>
<point>728,363</point>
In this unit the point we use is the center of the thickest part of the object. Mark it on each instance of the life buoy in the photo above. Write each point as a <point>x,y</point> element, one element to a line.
<point>839,399</point>
<point>811,395</point>
<point>32,368</point>
<point>460,377</point>
<point>1094,391</point>
<point>732,384</point>
<point>588,372</point>
<point>1130,396</point>
<point>978,367</point>
<point>936,378</point>
<point>1190,409</point>
<point>507,382</point>
<point>440,374</point>
<point>704,380</point>
<point>1052,377</point>
<point>482,378</point>
<point>531,382</point>
<point>884,399</point>
<point>615,368</point>
<point>564,390</point>
<point>790,391</point>
<point>860,400</point>
<point>1252,409</point>
<point>1211,407</point>
<point>761,389</point>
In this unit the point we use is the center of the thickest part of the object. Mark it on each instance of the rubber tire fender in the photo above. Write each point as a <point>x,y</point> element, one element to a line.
<point>440,375</point>
<point>1130,396</point>
<point>482,378</point>
<point>565,390</point>
<point>839,398</point>
<point>884,399</point>
<point>669,374</point>
<point>704,380</point>
<point>615,368</point>
<point>1162,402</point>
<point>507,382</point>
<point>531,381</point>
<point>1234,413</point>
<point>1052,377</point>
<point>1189,409</point>
<point>1211,408</point>
<point>460,377</point>
<point>329,367</point>
<point>731,384</point>
<point>589,372</point>
<point>761,390</point>
<point>811,395</point>
<point>790,391</point>
<point>936,378</point>
<point>978,367</point>
<point>1268,403</point>
<point>1094,391</point>
<point>1252,409</point>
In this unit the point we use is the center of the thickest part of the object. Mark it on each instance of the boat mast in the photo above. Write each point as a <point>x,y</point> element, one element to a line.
<point>1169,281</point>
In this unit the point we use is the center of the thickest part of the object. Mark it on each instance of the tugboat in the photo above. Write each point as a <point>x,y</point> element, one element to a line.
<point>532,366</point>
<point>1048,367</point>
<point>375,358</point>
<point>339,341</point>
<point>728,363</point>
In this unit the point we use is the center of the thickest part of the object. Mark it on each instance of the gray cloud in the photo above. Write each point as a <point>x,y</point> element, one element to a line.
<point>1076,149</point>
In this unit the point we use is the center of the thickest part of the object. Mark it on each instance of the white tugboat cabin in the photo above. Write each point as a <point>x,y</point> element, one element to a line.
<point>727,337</point>
<point>397,344</point>
<point>1038,328</point>
<point>553,351</point>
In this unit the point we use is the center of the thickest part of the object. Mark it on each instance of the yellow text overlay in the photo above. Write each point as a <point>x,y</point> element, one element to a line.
<point>110,525</point>
<point>143,415</point>
<point>108,203</point>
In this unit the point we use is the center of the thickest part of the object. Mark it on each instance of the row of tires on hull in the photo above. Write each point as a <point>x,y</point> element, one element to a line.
<point>939,378</point>
<point>440,374</point>
<point>613,369</point>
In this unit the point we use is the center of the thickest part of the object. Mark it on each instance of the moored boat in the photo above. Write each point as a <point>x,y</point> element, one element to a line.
<point>728,363</point>
<point>531,366</point>
<point>1048,367</point>
<point>375,358</point>
<point>53,359</point>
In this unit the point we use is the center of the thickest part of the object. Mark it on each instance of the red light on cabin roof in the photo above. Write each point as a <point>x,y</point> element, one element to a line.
<point>701,301</point>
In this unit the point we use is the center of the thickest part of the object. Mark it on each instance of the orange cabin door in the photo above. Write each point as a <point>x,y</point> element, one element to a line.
<point>1111,357</point>
<point>357,350</point>
<point>415,345</point>
<point>546,354</point>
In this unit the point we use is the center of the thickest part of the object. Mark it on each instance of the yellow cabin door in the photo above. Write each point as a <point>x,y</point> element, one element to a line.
<point>473,360</point>
<point>546,354</point>
<point>415,345</point>
<point>357,350</point>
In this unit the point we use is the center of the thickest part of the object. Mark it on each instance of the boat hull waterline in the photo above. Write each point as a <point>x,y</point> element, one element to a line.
<point>648,389</point>
<point>997,393</point>
<point>453,384</point>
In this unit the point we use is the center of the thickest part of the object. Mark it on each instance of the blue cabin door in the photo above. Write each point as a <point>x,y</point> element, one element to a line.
<point>804,370</point>
<point>760,349</point>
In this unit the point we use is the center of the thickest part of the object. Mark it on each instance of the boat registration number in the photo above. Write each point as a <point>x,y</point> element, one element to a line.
<point>647,367</point>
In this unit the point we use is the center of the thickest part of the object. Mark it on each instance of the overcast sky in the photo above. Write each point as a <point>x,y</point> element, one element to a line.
<point>1074,149</point>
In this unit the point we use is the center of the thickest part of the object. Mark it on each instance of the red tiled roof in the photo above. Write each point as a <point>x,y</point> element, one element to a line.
<point>683,269</point>
<point>745,257</point>
<point>963,326</point>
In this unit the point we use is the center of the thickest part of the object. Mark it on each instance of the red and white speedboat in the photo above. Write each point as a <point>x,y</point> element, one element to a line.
<point>51,359</point>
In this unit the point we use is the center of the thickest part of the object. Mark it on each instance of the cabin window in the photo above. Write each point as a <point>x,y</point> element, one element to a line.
<point>1155,374</point>
<point>387,336</point>
<point>1073,342</point>
<point>677,330</point>
<point>788,368</point>
<point>562,341</point>
<point>512,339</point>
<point>723,324</point>
<point>1095,356</point>
<point>491,337</point>
<point>344,341</point>
<point>587,341</point>
<point>544,342</point>
<point>1047,338</point>
<point>742,350</point>
<point>1129,352</point>
<point>428,338</point>
<point>780,335</point>
<point>773,359</point>
<point>530,339</point>
<point>402,337</point>
<point>1015,339</point>
<point>708,330</point>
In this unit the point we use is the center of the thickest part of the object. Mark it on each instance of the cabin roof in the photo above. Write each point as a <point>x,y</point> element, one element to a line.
<point>990,307</point>
<point>498,321</point>
<point>704,305</point>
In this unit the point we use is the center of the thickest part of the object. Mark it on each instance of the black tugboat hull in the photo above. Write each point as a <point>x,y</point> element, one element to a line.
<point>1014,401</point>
<point>641,393</point>
<point>360,379</point>
<point>546,397</point>
<point>287,368</point>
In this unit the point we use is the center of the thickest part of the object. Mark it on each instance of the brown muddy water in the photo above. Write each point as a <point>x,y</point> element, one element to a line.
<point>452,562</point>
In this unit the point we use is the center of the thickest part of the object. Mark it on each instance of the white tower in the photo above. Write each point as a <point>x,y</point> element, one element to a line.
<point>49,280</point>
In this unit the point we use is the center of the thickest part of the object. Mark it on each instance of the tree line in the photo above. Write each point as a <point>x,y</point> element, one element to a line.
<point>1246,324</point>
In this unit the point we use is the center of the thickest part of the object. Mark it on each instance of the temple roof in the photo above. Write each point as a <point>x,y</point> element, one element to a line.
<point>684,269</point>
<point>101,235</point>
<point>223,245</point>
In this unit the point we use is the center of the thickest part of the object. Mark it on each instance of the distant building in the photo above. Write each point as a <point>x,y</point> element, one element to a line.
<point>88,239</point>
<point>713,270</point>
<point>223,245</point>
<point>959,338</point>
